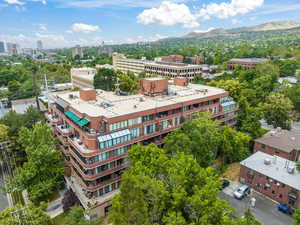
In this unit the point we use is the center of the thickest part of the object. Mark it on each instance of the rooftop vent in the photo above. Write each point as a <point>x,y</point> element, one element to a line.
<point>71,96</point>
<point>267,161</point>
<point>291,169</point>
<point>106,104</point>
<point>293,138</point>
<point>142,99</point>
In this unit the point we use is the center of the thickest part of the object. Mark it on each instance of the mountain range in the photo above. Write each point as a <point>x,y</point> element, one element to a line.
<point>271,26</point>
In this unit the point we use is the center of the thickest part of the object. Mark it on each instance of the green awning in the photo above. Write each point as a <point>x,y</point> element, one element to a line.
<point>76,119</point>
<point>82,122</point>
<point>72,116</point>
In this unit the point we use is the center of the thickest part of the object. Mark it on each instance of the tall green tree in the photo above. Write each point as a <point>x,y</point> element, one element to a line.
<point>235,145</point>
<point>128,82</point>
<point>277,110</point>
<point>105,79</point>
<point>248,120</point>
<point>76,217</point>
<point>199,137</point>
<point>43,171</point>
<point>28,214</point>
<point>163,189</point>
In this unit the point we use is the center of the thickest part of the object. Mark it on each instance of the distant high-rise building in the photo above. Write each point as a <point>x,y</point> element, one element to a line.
<point>2,48</point>
<point>104,49</point>
<point>12,48</point>
<point>77,50</point>
<point>39,45</point>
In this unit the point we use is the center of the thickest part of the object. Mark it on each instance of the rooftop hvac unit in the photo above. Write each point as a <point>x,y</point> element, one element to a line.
<point>291,170</point>
<point>267,161</point>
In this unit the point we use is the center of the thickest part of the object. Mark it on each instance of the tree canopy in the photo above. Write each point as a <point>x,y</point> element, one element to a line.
<point>43,171</point>
<point>28,214</point>
<point>163,189</point>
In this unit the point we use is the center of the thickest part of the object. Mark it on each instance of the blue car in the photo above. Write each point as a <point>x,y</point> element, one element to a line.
<point>285,209</point>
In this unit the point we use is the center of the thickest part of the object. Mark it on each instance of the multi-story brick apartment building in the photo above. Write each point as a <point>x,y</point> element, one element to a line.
<point>281,143</point>
<point>173,69</point>
<point>246,63</point>
<point>273,176</point>
<point>96,128</point>
<point>158,67</point>
<point>172,58</point>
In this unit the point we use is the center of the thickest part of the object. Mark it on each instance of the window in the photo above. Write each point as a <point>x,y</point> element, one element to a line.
<point>263,146</point>
<point>135,132</point>
<point>273,192</point>
<point>176,121</point>
<point>118,125</point>
<point>147,118</point>
<point>215,110</point>
<point>164,124</point>
<point>149,129</point>
<point>134,121</point>
<point>108,140</point>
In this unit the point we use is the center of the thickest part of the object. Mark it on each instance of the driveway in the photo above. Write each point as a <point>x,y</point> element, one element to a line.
<point>265,210</point>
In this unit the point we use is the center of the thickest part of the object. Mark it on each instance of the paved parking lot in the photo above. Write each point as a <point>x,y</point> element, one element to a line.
<point>265,210</point>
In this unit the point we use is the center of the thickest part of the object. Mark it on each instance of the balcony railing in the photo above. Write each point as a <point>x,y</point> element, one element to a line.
<point>62,129</point>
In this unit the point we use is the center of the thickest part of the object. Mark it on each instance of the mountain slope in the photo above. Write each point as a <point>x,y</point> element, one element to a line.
<point>271,26</point>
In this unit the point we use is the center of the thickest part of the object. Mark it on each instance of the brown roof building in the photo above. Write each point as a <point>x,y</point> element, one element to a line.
<point>281,143</point>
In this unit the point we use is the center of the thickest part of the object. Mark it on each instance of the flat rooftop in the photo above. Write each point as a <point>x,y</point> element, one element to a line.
<point>277,170</point>
<point>250,60</point>
<point>110,105</point>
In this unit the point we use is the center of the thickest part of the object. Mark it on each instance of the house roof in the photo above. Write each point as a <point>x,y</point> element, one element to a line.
<point>276,169</point>
<point>283,140</point>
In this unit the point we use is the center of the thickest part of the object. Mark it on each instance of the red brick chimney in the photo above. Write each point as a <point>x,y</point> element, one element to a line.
<point>87,94</point>
<point>181,81</point>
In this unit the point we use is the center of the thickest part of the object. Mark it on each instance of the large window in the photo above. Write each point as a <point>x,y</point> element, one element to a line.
<point>176,121</point>
<point>132,122</point>
<point>148,118</point>
<point>118,125</point>
<point>149,129</point>
<point>135,132</point>
<point>112,139</point>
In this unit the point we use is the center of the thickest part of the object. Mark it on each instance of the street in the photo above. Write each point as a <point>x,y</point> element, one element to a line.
<point>265,210</point>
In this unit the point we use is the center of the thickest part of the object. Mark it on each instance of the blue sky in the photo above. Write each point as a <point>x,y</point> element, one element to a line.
<point>65,23</point>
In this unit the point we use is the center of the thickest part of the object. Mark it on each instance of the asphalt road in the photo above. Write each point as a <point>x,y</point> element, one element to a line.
<point>265,210</point>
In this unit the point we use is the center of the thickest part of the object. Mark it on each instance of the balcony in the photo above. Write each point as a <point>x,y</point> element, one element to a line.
<point>63,140</point>
<point>91,176</point>
<point>63,130</point>
<point>88,202</point>
<point>53,120</point>
<point>79,145</point>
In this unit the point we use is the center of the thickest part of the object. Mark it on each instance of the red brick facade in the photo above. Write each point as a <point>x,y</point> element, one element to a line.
<point>279,192</point>
<point>293,155</point>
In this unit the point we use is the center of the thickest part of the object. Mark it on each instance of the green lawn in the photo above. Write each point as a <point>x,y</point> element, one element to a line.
<point>59,220</point>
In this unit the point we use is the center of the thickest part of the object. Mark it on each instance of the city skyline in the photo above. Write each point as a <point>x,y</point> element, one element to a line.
<point>90,22</point>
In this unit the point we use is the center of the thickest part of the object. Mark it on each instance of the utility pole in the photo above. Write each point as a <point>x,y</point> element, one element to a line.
<point>34,71</point>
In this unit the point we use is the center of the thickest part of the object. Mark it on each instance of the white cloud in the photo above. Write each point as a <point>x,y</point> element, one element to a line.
<point>172,13</point>
<point>84,28</point>
<point>43,27</point>
<point>141,38</point>
<point>16,2</point>
<point>168,14</point>
<point>52,37</point>
<point>225,10</point>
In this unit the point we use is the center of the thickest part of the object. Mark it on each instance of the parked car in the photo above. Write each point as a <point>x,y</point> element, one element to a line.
<point>225,183</point>
<point>241,192</point>
<point>285,209</point>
